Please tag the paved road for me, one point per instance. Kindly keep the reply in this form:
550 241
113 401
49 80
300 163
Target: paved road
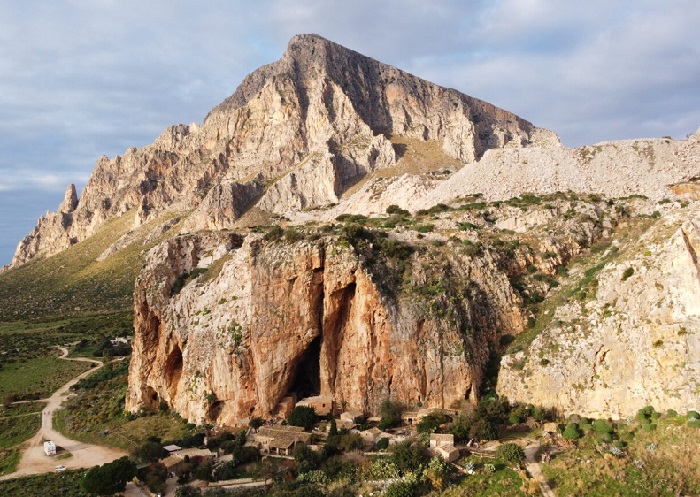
34 461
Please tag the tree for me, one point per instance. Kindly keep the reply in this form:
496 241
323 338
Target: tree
150 452
302 416
391 412
109 478
431 422
225 471
333 428
408 456
350 442
256 423
306 458
510 453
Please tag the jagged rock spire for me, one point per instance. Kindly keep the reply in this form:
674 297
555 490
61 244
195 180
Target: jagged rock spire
70 200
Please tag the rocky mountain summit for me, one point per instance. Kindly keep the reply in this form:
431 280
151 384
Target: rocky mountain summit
295 135
339 227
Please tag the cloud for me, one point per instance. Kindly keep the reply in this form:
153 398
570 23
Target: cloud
82 79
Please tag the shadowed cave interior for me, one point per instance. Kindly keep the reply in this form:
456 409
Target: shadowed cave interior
307 377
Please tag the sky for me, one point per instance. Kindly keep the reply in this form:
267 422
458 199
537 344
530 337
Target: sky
85 78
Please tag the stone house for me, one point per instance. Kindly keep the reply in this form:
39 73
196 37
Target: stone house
442 445
322 405
281 440
352 416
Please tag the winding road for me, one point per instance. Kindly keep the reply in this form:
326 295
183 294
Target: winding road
84 455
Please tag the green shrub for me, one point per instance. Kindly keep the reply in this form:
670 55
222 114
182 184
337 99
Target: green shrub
602 426
571 432
383 443
408 456
394 209
399 489
273 233
431 422
605 437
302 416
510 453
390 412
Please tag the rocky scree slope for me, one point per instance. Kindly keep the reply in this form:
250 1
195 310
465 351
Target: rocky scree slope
296 134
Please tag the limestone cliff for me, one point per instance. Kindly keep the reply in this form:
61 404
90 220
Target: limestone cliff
272 318
633 341
226 327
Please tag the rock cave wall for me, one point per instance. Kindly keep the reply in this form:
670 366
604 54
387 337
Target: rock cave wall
234 340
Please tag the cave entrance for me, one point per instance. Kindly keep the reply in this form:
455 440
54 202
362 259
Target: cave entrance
173 371
307 378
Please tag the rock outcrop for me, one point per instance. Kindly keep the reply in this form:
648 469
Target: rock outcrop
634 343
234 331
227 327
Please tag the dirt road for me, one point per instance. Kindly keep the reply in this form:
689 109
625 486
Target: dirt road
34 461
535 470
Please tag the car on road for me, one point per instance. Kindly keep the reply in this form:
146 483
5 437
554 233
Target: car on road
60 468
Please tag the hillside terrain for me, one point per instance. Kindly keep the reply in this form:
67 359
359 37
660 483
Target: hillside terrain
343 229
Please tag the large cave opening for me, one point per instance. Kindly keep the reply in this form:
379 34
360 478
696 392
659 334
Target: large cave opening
307 378
173 370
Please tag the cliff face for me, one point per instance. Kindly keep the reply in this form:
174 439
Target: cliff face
227 326
268 319
632 342
311 125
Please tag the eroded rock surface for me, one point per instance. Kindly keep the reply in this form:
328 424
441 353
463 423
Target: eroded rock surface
635 343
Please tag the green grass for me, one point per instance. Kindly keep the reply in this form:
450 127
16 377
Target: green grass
661 474
65 484
21 408
72 282
9 459
14 431
96 415
504 482
37 378
21 340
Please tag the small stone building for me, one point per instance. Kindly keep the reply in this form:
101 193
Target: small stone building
281 440
352 416
442 445
322 405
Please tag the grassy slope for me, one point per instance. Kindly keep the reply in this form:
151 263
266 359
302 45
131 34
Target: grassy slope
96 415
39 377
671 468
73 282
